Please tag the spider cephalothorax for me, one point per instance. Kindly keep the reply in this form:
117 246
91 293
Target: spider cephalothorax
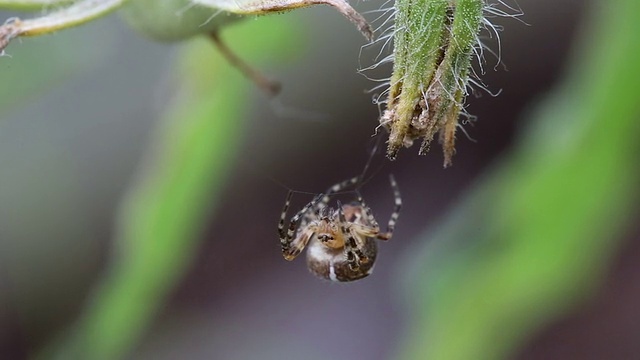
341 242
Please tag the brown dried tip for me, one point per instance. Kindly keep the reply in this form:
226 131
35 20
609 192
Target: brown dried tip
435 111
9 31
269 86
432 64
266 6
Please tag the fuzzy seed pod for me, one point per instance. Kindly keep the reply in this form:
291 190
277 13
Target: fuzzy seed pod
432 61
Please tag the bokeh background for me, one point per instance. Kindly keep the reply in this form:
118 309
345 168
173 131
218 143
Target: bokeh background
79 112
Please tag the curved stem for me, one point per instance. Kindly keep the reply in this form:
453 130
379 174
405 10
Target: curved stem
76 14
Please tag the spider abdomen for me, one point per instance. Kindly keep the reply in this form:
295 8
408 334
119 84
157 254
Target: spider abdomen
331 264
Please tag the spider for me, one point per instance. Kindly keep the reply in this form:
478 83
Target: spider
340 242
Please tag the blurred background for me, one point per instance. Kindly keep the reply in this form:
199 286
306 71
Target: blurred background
78 112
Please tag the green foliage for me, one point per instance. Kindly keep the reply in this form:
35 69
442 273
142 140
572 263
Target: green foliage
158 19
168 20
534 238
161 218
528 243
25 73
31 4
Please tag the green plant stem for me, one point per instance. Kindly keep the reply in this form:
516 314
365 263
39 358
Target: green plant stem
31 5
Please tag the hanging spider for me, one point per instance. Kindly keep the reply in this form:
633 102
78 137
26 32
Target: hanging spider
341 243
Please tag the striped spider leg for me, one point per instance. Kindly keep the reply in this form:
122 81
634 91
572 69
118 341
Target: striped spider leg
292 247
292 242
363 227
341 243
373 230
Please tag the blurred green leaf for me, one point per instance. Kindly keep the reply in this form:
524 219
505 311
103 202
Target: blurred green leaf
31 5
161 218
35 65
536 236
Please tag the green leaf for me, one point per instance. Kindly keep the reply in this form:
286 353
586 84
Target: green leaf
534 239
35 66
162 216
31 5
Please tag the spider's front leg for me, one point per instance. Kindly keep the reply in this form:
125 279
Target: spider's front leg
78 13
373 230
291 245
334 189
292 249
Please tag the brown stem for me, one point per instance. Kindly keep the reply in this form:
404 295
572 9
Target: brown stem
267 85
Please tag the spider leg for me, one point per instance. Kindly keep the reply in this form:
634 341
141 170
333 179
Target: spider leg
342 185
288 242
77 13
334 189
396 211
295 247
373 228
283 215
353 247
326 197
366 231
